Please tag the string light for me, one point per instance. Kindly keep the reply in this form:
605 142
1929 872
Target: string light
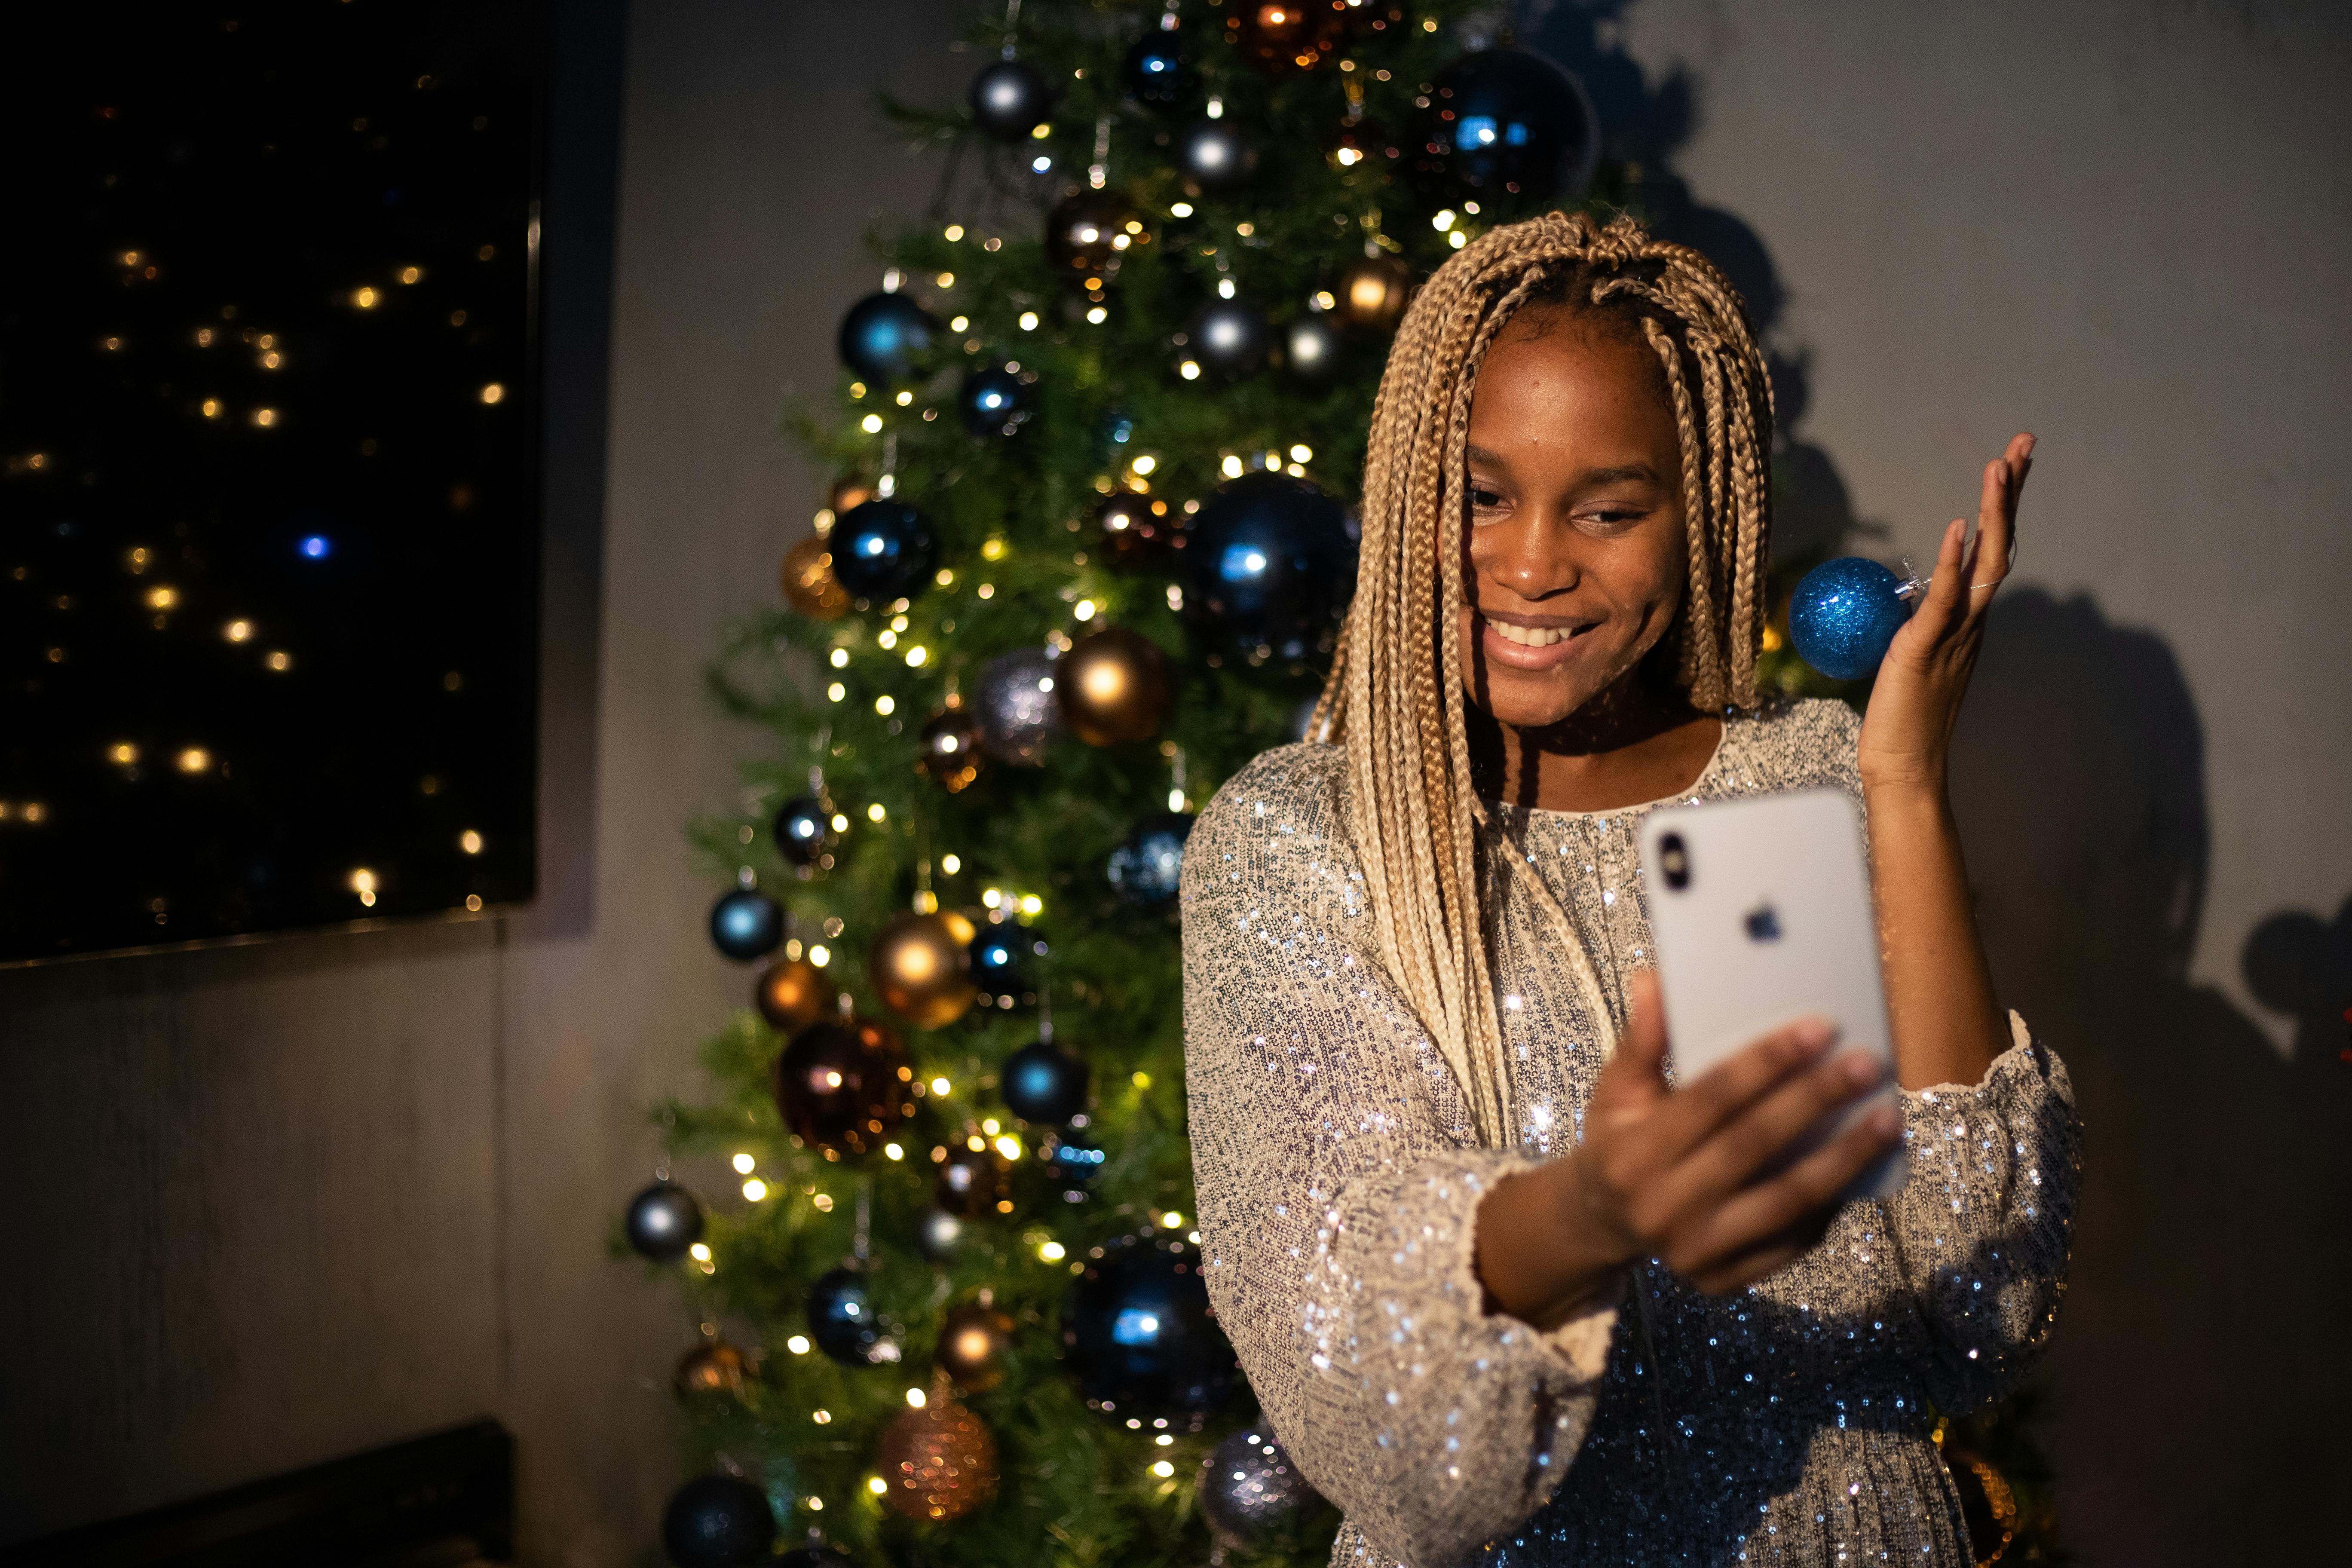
871 423
798 1344
212 406
940 1086
362 882
1172 1220
1181 209
122 751
876 1485
1053 1252
744 1164
237 631
893 1151
755 1189
820 956
954 232
494 392
914 1399
1163 1468
471 842
279 660
836 691
950 864
193 760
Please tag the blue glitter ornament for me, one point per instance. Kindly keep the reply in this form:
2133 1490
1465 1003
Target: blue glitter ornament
1001 955
883 335
1145 871
1844 612
745 925
996 400
1157 74
1074 1157
1273 561
1138 1331
883 550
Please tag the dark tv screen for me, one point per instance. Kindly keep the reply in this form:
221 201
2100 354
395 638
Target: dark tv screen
268 525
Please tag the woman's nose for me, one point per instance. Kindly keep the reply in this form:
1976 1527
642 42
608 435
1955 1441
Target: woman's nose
1528 556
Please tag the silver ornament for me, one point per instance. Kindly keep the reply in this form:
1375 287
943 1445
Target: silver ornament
1018 711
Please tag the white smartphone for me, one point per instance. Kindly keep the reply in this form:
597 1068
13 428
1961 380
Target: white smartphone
1761 914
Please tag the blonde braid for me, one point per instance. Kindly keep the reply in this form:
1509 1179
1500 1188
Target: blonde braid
1396 698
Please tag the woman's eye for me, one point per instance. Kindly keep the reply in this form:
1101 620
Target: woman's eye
1484 499
1612 518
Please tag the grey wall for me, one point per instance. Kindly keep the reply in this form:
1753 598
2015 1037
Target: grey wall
289 1201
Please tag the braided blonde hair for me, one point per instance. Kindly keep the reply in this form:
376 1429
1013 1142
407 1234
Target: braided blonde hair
1398 704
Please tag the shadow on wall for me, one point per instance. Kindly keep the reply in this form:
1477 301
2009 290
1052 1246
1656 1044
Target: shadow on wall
1643 123
2199 1369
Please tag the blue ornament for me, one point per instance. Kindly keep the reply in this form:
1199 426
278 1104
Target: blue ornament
718 1522
1136 1329
844 1323
1273 564
885 335
1043 1083
663 1221
1145 870
1001 955
997 400
1216 157
1843 613
1230 337
1507 126
745 925
802 830
1156 73
883 550
1010 99
1075 1157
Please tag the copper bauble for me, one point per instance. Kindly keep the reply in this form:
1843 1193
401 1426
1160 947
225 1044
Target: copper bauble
973 1339
1087 235
792 994
844 1088
1137 530
716 1367
848 493
1114 688
974 1182
807 580
922 968
939 1461
948 751
1372 292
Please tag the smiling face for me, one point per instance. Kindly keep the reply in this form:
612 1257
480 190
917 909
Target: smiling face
1576 554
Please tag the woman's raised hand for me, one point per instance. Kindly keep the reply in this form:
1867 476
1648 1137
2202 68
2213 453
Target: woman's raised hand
1678 1174
1906 736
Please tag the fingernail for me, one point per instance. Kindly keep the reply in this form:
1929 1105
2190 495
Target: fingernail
1862 1067
1813 1034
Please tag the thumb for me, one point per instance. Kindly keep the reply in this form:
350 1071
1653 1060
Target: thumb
1636 1075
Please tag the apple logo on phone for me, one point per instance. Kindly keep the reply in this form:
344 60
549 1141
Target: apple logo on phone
1763 923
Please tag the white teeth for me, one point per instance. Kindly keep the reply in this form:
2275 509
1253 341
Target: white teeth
1531 637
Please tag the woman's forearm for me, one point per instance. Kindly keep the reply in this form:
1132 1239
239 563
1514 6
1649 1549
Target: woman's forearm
1947 1028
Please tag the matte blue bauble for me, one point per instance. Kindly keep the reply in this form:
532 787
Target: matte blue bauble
995 401
1157 74
1230 337
1843 616
663 1221
885 335
1075 1157
1146 869
883 550
1044 1084
1506 126
844 1323
802 829
718 1522
1010 99
1136 1329
745 925
1001 958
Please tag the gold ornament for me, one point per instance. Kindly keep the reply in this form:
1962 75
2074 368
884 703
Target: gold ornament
808 585
717 1367
973 1339
1372 292
1114 687
938 1462
1280 36
922 968
848 493
792 994
948 751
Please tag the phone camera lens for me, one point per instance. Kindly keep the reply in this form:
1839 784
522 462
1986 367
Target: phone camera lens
1674 859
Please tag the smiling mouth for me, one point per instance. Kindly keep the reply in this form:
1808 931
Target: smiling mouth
1534 636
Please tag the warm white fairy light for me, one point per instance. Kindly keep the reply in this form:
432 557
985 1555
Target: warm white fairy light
941 1085
745 1164
798 1344
893 1151
471 842
820 956
876 1485
871 423
914 1399
1163 1468
836 691
1028 321
950 864
755 1189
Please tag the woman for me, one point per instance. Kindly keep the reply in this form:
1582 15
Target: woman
1505 1293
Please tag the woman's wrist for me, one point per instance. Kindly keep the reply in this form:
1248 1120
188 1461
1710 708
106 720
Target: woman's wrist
1541 1256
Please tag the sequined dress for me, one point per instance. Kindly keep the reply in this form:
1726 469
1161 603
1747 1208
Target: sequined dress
1338 1177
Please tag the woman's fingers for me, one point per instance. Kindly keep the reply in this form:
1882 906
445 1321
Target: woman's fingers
1989 557
1800 1199
1635 1077
1727 1161
1945 598
1727 1089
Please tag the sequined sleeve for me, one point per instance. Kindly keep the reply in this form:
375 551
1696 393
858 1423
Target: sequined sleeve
1337 1181
1983 1228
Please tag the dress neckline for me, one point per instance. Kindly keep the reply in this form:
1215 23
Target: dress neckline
1715 761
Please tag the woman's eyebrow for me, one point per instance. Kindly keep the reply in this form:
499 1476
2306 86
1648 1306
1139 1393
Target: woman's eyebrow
1477 454
1618 474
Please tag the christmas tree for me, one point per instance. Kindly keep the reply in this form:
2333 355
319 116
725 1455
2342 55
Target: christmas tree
1097 438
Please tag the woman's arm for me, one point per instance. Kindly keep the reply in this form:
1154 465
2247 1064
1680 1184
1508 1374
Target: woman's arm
1946 1026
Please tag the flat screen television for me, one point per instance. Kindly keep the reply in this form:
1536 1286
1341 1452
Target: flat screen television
269 518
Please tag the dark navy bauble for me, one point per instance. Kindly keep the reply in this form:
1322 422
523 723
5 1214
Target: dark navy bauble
1010 99
995 401
1146 869
1843 616
1508 127
1230 337
1215 156
1002 957
1076 1158
1251 1494
1137 1330
663 1221
817 1557
885 336
1157 73
844 1323
745 925
802 829
883 550
718 1522
1312 345
1273 564
1044 1083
